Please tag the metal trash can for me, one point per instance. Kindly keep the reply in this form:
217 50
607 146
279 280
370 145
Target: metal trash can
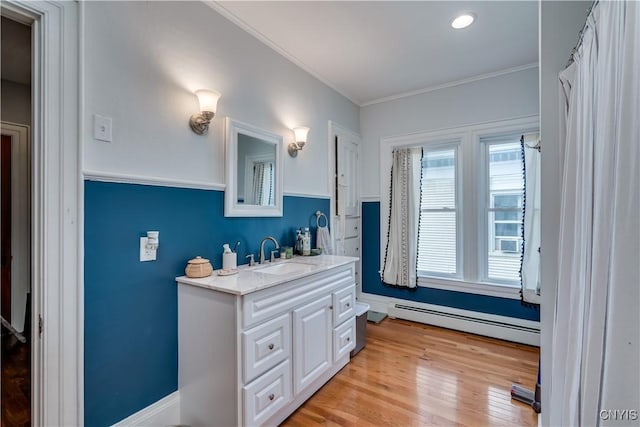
361 326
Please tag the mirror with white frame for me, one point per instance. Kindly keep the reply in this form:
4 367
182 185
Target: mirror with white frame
253 166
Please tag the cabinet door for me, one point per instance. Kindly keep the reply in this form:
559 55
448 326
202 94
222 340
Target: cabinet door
312 332
347 169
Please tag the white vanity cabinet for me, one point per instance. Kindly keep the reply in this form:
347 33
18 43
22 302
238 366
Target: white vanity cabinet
252 357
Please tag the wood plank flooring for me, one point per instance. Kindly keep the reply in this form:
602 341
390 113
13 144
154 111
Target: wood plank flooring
16 383
411 374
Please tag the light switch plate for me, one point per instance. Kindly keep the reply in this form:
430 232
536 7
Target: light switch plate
146 254
102 128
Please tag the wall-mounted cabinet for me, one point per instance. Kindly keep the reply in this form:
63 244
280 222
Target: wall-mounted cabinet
346 194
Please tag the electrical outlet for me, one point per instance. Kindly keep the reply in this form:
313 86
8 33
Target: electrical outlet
146 254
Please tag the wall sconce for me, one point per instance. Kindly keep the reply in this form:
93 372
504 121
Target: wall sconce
300 138
208 105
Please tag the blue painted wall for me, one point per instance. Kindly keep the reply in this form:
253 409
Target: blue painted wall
130 326
462 300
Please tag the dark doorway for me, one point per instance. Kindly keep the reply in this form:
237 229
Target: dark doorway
15 222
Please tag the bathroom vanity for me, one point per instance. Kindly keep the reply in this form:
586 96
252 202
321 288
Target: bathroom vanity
255 345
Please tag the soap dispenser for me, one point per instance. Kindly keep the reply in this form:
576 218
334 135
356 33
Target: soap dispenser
306 242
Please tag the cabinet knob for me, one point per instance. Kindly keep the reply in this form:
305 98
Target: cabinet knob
330 307
348 304
348 339
270 346
272 396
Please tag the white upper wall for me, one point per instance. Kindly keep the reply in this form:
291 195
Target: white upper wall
144 60
498 98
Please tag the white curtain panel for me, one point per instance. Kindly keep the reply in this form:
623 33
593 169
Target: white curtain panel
402 242
531 254
258 183
597 289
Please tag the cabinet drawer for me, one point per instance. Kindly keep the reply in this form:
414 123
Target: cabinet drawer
267 303
344 339
352 247
351 227
265 346
263 397
344 302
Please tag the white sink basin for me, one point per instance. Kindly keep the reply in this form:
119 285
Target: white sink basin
285 268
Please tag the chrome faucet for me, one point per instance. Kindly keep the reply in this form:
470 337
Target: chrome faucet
275 242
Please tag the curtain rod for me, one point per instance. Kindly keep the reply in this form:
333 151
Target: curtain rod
581 33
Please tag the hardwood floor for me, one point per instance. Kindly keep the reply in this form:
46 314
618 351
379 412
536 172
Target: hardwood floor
411 374
16 383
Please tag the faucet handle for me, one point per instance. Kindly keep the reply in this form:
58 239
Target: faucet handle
252 262
273 255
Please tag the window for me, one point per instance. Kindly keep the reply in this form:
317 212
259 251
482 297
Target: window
471 211
503 210
438 225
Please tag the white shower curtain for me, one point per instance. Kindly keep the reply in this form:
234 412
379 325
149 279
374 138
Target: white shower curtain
599 230
530 273
402 241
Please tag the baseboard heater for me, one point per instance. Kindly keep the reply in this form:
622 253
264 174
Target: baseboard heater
467 323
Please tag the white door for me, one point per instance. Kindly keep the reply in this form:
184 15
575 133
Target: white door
311 342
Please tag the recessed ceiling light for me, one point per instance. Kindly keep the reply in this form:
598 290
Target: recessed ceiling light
463 20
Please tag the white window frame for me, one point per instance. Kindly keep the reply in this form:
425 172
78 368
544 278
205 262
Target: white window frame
442 145
469 198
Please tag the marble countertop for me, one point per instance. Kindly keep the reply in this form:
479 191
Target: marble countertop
252 279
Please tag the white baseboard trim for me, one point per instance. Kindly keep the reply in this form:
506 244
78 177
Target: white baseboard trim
164 412
490 325
123 178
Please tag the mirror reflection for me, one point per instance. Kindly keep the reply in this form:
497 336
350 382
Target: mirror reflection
256 171
253 171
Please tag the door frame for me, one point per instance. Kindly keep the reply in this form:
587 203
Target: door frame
20 153
57 216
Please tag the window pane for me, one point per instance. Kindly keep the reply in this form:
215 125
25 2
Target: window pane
437 242
439 179
507 229
504 227
505 171
507 200
507 215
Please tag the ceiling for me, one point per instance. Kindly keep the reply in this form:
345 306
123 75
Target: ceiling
15 42
372 51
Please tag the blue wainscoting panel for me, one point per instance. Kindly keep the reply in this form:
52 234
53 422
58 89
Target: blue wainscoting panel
462 300
130 325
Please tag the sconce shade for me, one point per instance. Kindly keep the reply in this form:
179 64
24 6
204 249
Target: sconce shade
208 100
300 134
